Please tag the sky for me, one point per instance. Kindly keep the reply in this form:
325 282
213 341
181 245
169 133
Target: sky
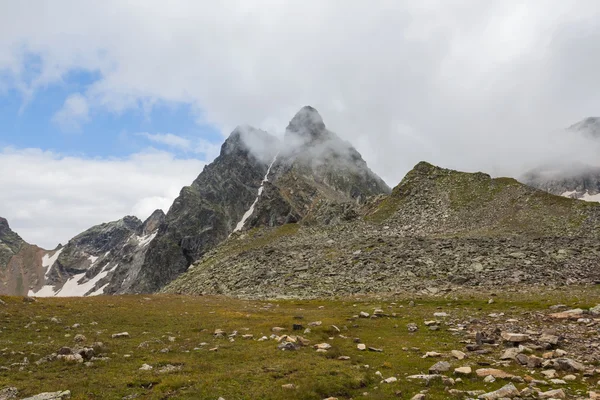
108 108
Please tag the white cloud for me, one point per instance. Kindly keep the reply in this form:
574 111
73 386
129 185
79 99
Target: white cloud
49 198
74 112
468 84
168 139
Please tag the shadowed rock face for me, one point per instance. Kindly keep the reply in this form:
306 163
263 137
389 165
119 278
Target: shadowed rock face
10 242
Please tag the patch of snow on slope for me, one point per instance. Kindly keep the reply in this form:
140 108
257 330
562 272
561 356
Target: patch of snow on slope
145 240
591 197
586 196
72 287
250 211
99 291
92 259
45 291
48 261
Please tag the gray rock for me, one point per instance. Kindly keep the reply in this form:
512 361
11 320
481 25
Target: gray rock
439 367
507 391
8 393
51 396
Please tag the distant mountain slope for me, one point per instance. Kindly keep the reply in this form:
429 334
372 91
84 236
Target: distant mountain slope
438 228
432 200
571 178
105 259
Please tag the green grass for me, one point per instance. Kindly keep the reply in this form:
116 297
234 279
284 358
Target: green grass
246 369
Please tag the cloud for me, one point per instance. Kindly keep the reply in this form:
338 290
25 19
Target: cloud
74 112
49 198
168 139
461 83
205 148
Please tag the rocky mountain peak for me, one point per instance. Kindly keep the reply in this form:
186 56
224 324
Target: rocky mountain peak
246 140
589 127
152 223
306 126
4 227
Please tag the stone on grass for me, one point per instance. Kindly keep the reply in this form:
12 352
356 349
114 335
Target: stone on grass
463 371
120 335
552 394
439 367
508 391
515 337
496 373
51 396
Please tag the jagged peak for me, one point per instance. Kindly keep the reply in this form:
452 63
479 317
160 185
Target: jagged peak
589 126
246 138
307 124
152 223
4 223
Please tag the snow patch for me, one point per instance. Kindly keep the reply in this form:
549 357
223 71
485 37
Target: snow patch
93 259
586 196
591 197
48 261
145 240
250 211
99 291
73 287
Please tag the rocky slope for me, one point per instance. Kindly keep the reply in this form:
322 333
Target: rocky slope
571 179
438 228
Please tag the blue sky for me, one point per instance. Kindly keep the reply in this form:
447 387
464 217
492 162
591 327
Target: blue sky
30 123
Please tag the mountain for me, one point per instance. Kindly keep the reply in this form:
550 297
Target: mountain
437 228
104 259
571 179
258 180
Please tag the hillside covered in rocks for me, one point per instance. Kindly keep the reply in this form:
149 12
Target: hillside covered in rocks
439 230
